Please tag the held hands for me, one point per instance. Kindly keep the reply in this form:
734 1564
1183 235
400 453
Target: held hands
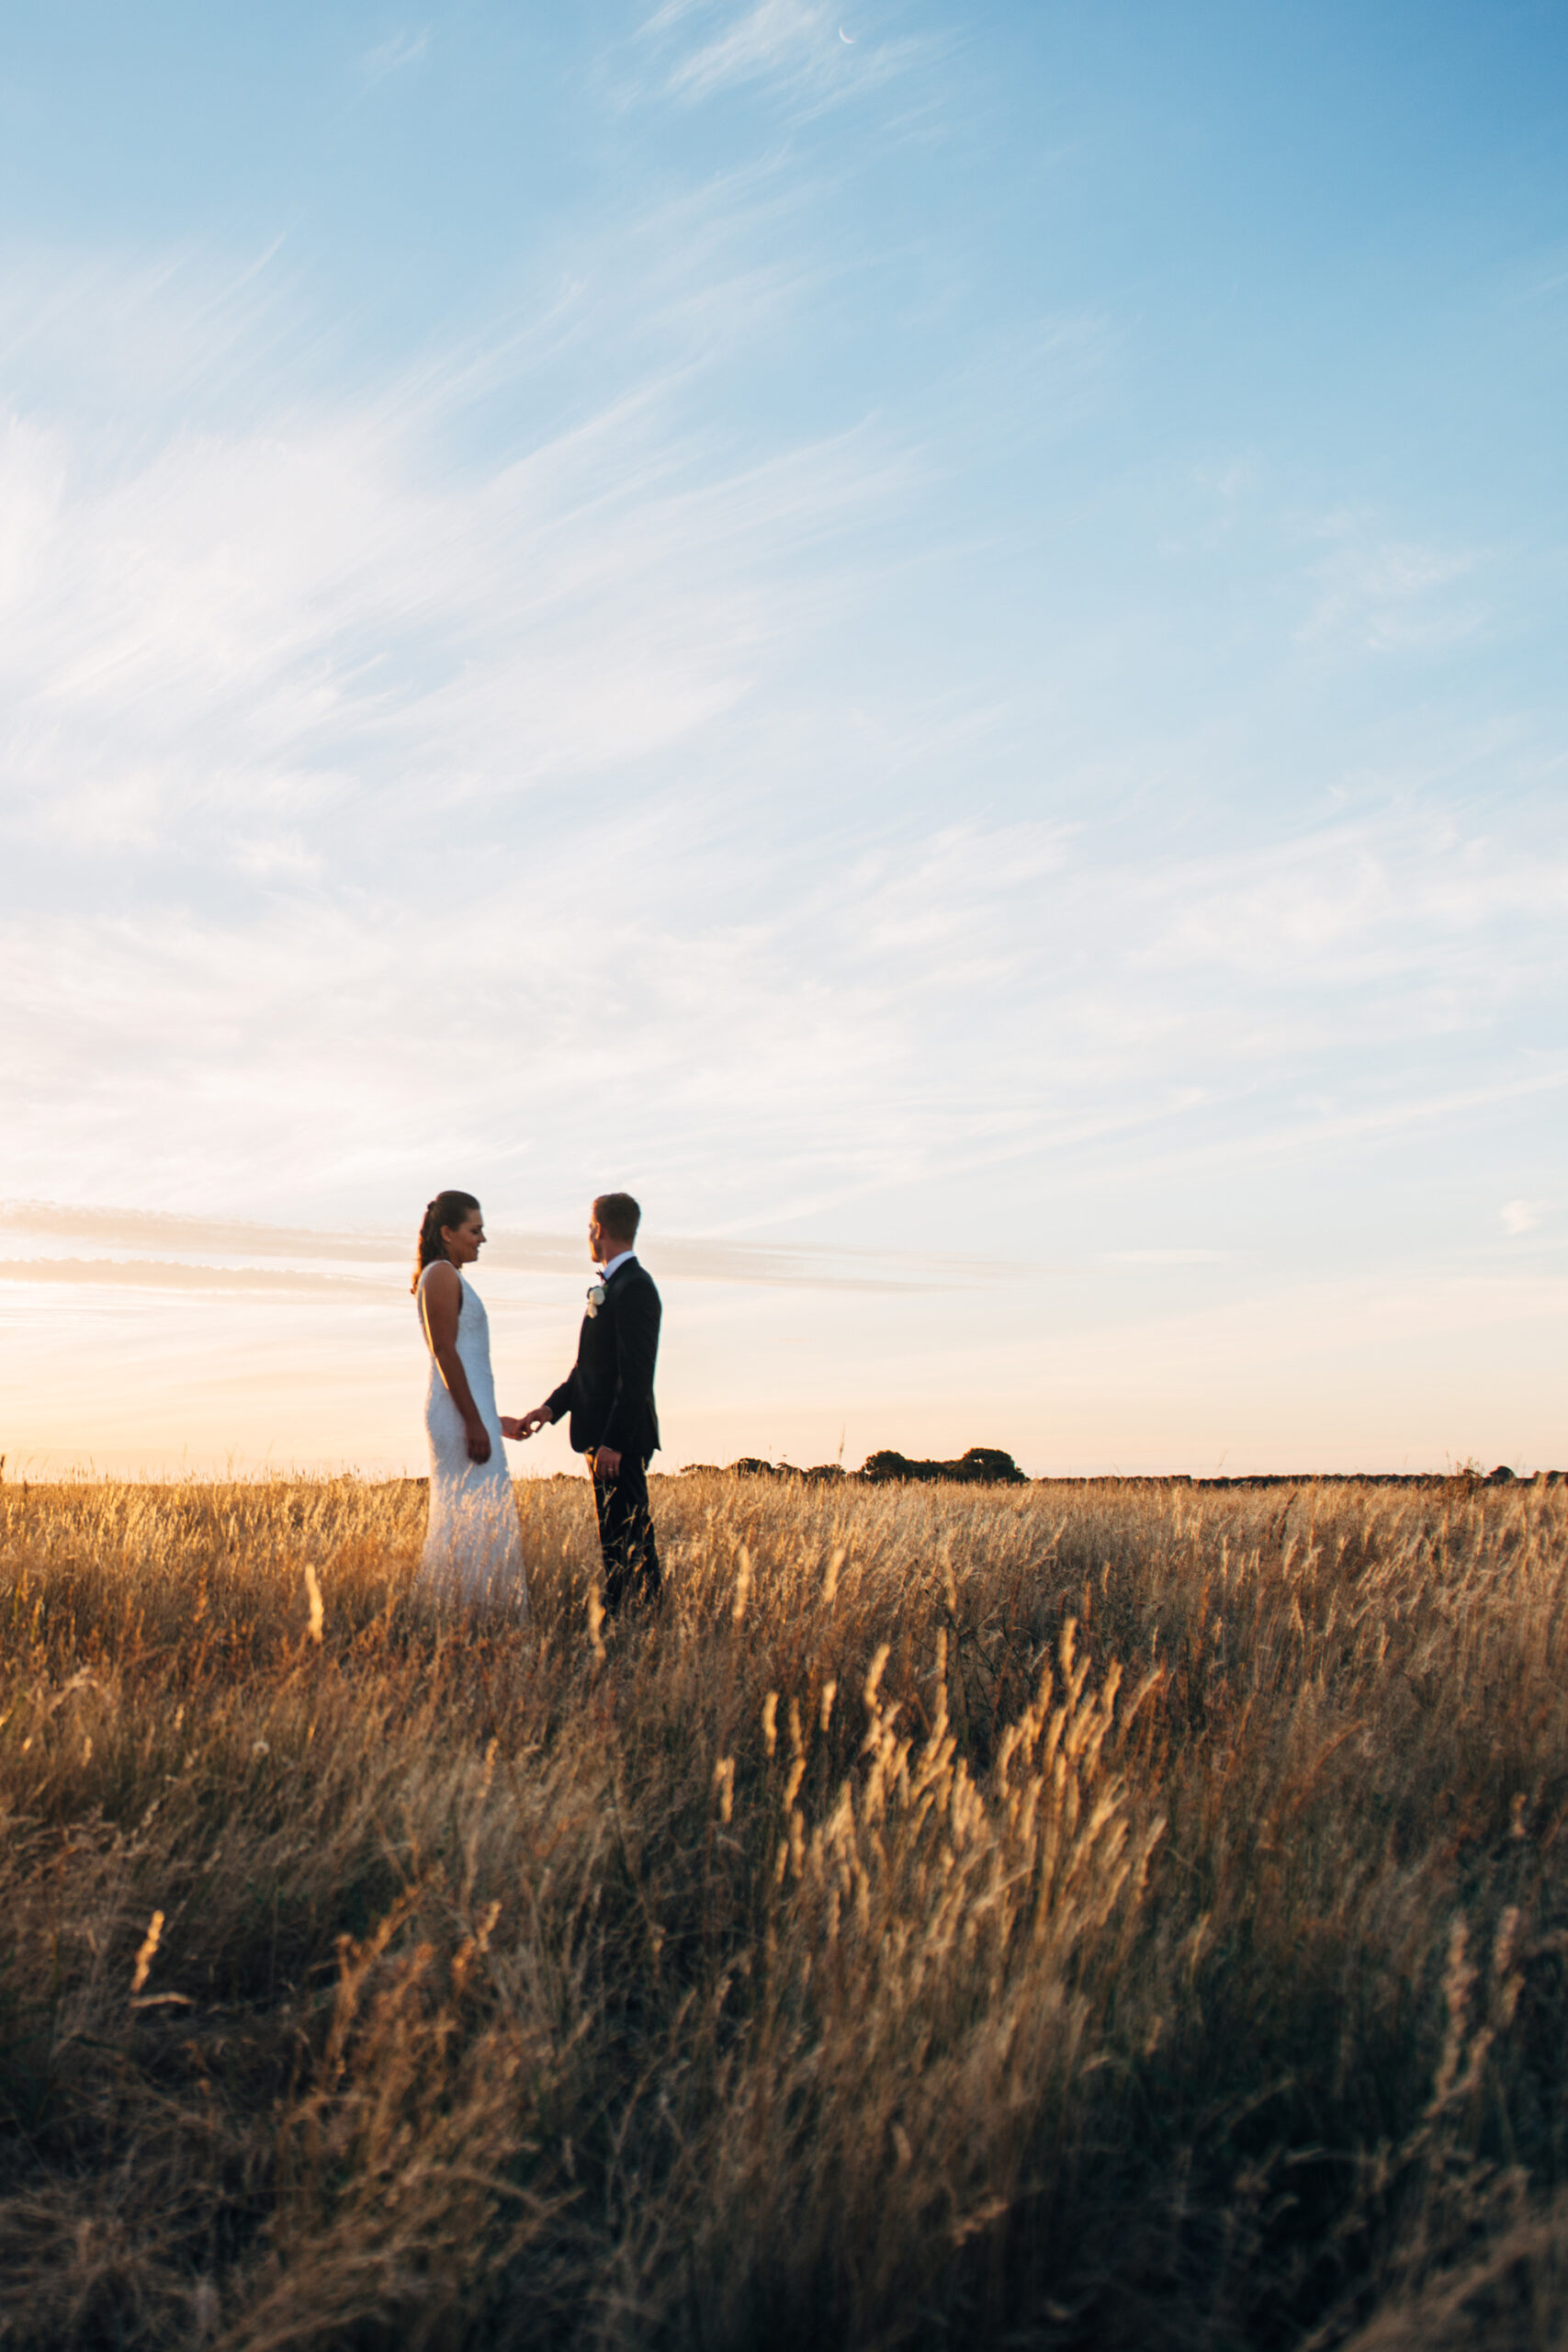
603 1463
524 1424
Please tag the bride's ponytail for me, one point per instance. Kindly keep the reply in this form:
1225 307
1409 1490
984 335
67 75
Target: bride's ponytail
446 1209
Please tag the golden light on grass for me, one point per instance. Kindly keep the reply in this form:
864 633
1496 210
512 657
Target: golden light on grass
147 1951
1110 1918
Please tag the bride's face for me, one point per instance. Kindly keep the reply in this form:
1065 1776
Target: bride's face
463 1243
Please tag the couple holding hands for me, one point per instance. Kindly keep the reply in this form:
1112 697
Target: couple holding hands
473 1548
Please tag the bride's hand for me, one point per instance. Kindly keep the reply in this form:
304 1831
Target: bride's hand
512 1427
479 1442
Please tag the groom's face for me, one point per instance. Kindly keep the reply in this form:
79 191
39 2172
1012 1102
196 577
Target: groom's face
602 1245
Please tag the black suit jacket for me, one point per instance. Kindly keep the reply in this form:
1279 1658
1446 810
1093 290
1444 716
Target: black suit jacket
609 1390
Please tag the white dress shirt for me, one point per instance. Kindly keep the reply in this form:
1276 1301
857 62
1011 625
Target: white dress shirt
622 1257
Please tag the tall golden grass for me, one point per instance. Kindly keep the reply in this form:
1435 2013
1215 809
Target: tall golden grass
1098 1917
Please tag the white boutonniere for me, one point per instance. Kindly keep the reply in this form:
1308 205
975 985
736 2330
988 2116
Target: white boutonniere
595 1297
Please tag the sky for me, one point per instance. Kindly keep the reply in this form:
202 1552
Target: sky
931 637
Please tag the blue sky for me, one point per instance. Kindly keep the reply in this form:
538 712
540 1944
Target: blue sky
934 637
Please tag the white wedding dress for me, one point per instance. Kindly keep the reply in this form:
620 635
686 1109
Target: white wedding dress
473 1548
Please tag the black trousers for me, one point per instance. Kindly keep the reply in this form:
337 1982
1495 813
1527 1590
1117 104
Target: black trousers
626 1536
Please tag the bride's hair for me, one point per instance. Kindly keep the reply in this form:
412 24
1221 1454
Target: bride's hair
445 1209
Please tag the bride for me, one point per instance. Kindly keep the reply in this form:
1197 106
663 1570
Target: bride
473 1549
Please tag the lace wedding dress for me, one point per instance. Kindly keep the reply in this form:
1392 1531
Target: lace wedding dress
473 1548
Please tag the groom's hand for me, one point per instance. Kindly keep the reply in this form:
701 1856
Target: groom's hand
539 1419
606 1462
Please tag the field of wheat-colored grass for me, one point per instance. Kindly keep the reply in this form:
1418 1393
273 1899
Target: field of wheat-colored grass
1114 1917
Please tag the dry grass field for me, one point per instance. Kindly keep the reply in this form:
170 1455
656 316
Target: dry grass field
1093 1917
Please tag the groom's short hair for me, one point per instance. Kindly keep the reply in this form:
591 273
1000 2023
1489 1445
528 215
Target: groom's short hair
618 1216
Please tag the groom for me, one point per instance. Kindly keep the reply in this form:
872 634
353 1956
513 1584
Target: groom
609 1394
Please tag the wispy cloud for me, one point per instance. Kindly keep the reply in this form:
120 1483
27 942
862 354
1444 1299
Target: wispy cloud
206 1242
379 730
881 1022
1389 595
1166 1257
151 1273
1343 904
1521 1216
391 55
239 631
813 56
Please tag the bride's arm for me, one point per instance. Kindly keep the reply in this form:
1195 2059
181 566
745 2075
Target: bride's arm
440 1302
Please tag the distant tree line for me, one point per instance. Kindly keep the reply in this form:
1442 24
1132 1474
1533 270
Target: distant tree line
989 1465
982 1465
